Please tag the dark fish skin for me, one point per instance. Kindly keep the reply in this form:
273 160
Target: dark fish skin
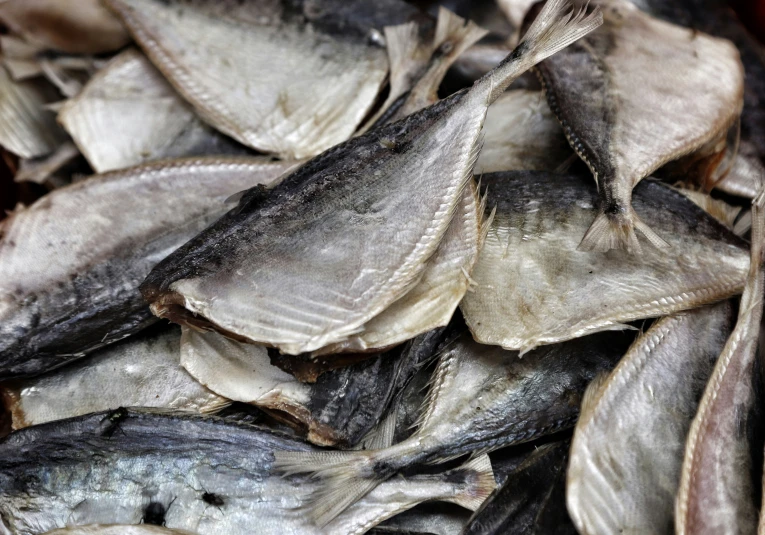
513 507
553 517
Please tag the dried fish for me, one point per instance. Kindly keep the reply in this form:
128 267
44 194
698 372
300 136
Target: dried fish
27 129
41 170
142 371
534 287
118 529
73 26
716 486
186 472
69 276
481 398
628 445
372 211
513 508
522 133
338 409
624 124
434 518
279 57
154 122
747 176
720 210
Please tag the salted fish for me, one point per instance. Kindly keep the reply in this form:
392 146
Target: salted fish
141 371
716 483
515 506
118 529
372 212
71 263
625 125
338 409
628 445
154 121
534 287
747 176
72 26
481 398
521 133
281 59
186 472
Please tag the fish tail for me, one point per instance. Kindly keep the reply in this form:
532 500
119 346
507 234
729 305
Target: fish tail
617 231
347 476
454 34
480 482
557 26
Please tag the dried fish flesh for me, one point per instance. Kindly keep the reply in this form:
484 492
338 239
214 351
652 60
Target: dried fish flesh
69 277
534 287
628 445
481 398
72 26
154 122
716 487
186 472
513 508
259 71
624 124
338 409
371 211
522 133
142 371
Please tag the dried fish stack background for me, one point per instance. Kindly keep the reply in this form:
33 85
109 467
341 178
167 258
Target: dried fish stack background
345 267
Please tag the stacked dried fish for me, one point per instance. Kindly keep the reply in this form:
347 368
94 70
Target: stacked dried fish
403 304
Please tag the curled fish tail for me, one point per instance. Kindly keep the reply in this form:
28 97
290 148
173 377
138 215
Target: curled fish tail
617 231
557 26
480 481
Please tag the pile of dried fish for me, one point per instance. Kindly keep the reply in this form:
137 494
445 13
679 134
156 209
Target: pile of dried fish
398 303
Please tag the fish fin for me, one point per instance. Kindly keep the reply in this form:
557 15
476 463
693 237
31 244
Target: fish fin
743 224
310 462
555 28
592 394
481 482
617 231
454 34
433 387
381 436
404 55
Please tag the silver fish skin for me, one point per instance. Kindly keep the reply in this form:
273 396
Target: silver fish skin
155 122
716 484
435 518
282 56
372 211
185 472
141 371
628 445
71 263
609 112
118 529
481 398
533 286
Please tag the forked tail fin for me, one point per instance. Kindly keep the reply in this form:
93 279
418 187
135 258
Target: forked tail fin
617 231
557 26
480 482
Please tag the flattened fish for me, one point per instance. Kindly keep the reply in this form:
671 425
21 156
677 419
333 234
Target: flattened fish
342 405
154 121
142 371
628 445
186 472
624 124
71 263
72 26
725 440
481 398
261 71
534 287
372 211
521 133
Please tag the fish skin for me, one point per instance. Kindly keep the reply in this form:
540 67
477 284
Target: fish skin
534 238
339 409
513 507
435 518
723 452
141 371
481 398
617 129
155 122
64 293
628 445
553 517
303 46
118 529
309 276
108 468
